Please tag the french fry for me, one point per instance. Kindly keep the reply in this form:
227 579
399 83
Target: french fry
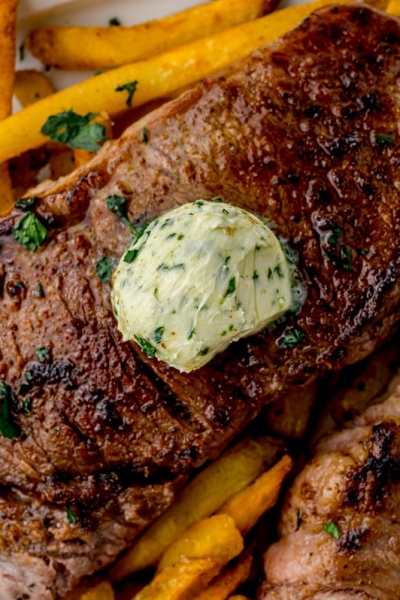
102 591
208 491
216 537
8 14
238 597
31 86
228 580
181 581
92 48
393 8
247 506
152 78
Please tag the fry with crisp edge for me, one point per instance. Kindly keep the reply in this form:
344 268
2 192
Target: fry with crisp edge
102 591
93 48
8 15
247 506
228 580
208 491
154 78
180 581
216 537
215 540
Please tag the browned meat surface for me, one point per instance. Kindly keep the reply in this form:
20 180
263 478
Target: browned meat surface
303 133
354 482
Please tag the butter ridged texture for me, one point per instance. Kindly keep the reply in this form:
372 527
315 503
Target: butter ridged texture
200 277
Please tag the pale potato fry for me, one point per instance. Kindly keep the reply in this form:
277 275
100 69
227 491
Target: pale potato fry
248 505
208 491
31 86
102 591
153 78
92 48
8 13
228 580
216 537
181 581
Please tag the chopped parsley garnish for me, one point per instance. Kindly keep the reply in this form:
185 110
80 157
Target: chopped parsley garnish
30 232
26 203
21 51
20 285
145 135
341 258
291 337
71 516
203 352
42 353
384 140
255 274
75 131
332 529
231 287
104 269
39 290
117 205
114 22
217 199
8 429
130 88
278 271
131 255
191 334
146 347
157 335
27 405
334 237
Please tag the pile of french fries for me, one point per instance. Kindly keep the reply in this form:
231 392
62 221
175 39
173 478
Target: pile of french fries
201 548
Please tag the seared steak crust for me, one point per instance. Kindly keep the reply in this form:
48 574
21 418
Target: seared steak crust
303 133
354 482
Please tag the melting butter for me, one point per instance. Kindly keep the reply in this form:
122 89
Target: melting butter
198 278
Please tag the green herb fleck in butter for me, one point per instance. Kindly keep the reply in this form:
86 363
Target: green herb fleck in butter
200 277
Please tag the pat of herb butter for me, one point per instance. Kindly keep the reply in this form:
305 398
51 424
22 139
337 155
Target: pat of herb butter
199 277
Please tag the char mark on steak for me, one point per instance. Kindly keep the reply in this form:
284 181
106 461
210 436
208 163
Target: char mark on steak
303 133
353 482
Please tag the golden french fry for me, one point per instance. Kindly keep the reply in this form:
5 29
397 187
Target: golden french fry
93 48
208 491
31 86
393 8
6 193
102 591
238 597
181 581
138 83
216 537
247 506
8 15
228 580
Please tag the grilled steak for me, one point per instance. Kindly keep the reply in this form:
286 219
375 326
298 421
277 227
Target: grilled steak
353 482
303 133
